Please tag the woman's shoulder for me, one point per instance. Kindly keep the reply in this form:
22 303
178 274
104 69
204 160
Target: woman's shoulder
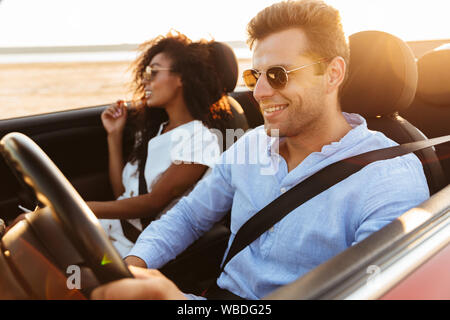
195 143
195 129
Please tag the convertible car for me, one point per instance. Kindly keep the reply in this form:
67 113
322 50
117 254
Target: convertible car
59 160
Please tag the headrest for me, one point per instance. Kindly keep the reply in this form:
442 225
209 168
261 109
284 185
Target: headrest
434 77
382 75
226 65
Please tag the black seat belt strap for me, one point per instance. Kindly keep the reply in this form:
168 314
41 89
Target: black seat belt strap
314 185
131 232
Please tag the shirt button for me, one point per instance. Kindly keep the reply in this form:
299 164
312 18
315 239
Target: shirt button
283 190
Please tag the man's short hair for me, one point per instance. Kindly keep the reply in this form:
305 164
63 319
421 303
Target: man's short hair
320 22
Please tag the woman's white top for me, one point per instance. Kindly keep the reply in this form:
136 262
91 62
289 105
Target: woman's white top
191 142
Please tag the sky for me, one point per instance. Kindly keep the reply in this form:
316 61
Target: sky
96 22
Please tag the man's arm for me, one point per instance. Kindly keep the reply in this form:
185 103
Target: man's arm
192 216
397 186
135 261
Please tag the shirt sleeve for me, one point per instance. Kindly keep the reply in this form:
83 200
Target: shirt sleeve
190 218
397 185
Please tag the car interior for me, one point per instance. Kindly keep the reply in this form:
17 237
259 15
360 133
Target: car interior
431 107
407 100
382 82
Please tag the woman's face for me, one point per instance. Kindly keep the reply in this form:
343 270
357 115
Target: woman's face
161 85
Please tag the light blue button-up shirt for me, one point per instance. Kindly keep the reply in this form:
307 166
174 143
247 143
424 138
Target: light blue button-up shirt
251 174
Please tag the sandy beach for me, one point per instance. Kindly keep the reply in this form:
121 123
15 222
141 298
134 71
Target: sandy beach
34 88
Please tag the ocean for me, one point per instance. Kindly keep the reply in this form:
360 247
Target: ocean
109 53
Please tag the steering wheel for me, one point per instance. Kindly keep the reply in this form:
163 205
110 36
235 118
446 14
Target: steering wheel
77 220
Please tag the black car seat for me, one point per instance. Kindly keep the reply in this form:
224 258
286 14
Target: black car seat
248 103
227 68
250 106
382 82
430 110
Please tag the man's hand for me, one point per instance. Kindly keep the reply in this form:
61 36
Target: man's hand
135 261
148 284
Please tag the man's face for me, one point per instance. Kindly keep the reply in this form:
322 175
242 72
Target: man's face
300 105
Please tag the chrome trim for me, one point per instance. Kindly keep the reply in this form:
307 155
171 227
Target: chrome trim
404 263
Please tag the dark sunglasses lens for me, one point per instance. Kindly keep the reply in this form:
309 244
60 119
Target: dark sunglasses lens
149 73
250 78
277 77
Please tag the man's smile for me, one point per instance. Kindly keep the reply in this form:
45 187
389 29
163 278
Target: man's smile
273 110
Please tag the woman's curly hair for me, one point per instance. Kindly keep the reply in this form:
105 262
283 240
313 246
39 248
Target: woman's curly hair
203 90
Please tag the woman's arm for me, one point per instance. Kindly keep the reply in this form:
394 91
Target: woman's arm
116 163
114 120
173 183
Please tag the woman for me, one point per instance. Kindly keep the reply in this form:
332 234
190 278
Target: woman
182 97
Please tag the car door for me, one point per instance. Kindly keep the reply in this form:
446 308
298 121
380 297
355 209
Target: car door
75 141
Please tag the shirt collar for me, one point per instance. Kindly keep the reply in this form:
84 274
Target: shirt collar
358 131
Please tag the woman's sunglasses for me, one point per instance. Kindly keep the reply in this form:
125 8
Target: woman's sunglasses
277 76
150 72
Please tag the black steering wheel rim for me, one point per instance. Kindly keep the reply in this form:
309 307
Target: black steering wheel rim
51 187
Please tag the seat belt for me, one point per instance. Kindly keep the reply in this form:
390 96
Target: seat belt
130 231
313 186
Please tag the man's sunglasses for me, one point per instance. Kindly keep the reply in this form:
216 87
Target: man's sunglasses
150 72
277 76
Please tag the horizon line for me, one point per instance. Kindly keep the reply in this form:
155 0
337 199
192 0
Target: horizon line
235 44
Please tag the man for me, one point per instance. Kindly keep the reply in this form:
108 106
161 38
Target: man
301 103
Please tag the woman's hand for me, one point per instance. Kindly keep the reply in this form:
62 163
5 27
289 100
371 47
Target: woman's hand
147 284
114 118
